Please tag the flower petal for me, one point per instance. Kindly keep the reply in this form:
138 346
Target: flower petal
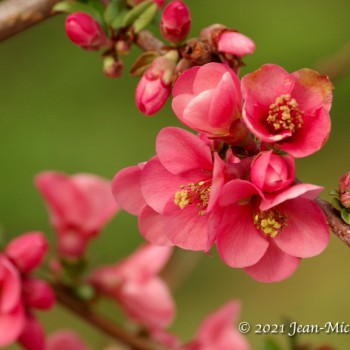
274 266
236 44
239 243
11 325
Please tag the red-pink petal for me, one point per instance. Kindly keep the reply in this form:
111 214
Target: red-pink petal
239 243
179 151
306 233
274 266
149 303
184 84
312 90
236 44
151 226
65 340
126 188
11 325
266 84
33 335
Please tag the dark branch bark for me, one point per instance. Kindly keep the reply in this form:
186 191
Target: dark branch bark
100 322
18 15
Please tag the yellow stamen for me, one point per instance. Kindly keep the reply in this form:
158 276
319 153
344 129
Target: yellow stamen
270 222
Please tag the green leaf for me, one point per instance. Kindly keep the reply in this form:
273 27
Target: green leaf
114 8
334 193
136 12
71 7
336 204
119 20
270 344
145 18
345 215
143 62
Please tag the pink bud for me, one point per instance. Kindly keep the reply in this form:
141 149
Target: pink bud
344 190
38 294
27 251
33 336
65 340
84 31
154 87
345 199
176 21
272 172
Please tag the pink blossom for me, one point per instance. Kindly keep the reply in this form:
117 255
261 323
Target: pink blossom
38 294
27 251
65 340
33 335
289 111
154 87
268 235
79 205
271 172
12 316
344 190
228 41
217 331
175 24
208 99
176 190
134 283
85 32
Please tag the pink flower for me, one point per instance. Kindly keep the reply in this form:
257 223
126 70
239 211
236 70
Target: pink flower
154 87
175 192
267 235
12 315
208 99
38 294
290 111
65 340
27 251
344 190
271 172
175 24
134 283
228 41
33 335
217 331
85 32
79 206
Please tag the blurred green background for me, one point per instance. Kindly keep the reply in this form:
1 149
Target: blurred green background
59 112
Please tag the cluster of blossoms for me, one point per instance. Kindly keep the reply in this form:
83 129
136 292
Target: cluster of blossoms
20 292
233 184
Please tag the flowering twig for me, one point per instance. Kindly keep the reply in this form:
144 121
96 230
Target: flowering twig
66 299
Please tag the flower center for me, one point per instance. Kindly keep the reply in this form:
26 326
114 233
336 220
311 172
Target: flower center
284 114
270 222
198 193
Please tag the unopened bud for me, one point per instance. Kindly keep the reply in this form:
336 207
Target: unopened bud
27 251
175 24
112 67
122 47
85 32
33 336
38 294
344 190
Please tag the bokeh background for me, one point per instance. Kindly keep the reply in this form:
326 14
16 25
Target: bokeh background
59 112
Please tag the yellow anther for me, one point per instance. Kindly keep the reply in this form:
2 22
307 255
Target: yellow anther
270 222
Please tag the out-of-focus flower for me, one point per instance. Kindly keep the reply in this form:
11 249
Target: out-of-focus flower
27 251
208 99
290 111
37 294
79 207
154 87
65 340
12 317
271 172
267 235
226 40
344 190
175 24
217 331
85 32
134 284
33 335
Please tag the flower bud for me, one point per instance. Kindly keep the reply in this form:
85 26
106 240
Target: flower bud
33 336
272 172
65 340
112 67
38 294
344 190
27 251
154 87
84 31
176 21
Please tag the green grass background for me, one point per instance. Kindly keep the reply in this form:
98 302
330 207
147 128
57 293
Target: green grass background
58 112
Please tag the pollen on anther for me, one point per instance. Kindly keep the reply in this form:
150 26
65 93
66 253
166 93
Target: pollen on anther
270 222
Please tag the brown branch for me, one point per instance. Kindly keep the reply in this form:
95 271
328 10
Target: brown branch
65 298
18 15
335 223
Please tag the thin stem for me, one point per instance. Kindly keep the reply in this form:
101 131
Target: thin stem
102 323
